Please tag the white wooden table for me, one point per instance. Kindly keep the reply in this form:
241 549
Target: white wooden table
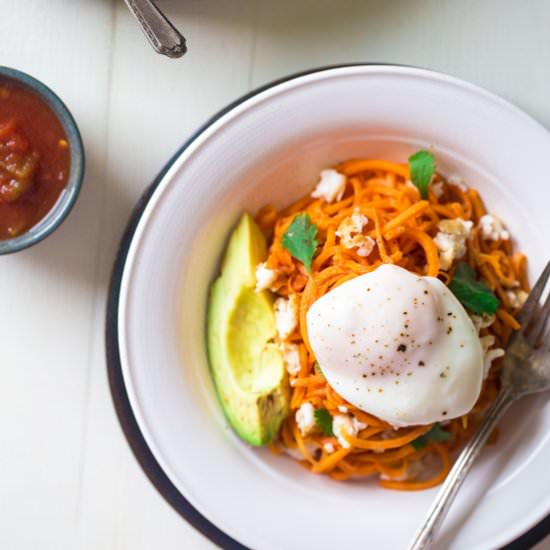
67 477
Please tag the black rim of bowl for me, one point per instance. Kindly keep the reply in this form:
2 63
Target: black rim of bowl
61 209
121 402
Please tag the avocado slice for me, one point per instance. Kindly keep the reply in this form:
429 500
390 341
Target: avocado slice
248 369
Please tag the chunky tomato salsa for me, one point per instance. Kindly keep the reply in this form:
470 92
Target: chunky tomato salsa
34 159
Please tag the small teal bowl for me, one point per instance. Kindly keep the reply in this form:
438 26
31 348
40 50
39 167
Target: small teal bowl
53 219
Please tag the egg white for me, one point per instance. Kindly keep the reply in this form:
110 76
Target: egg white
398 346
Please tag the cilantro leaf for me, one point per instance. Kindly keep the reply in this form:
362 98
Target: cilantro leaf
299 239
473 294
422 168
435 433
324 421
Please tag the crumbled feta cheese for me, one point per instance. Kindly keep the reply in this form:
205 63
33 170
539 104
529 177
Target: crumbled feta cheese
286 315
265 277
487 342
437 188
305 418
489 355
328 447
455 179
482 321
296 454
331 186
291 358
451 240
492 228
351 235
344 423
342 409
517 298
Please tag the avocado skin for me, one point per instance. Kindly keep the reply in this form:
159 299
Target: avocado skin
248 370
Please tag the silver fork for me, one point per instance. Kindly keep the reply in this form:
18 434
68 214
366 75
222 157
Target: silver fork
526 369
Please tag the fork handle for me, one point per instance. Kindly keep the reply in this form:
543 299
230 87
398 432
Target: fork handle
424 537
162 35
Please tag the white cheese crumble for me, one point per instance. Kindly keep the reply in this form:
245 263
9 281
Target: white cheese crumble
331 186
451 240
305 418
437 188
291 358
455 179
486 342
344 423
286 315
351 235
265 277
517 298
342 409
492 228
489 355
296 454
328 447
482 321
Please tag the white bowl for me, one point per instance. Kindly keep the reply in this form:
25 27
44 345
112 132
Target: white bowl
269 148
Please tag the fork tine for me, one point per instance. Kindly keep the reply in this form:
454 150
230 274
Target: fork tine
532 304
539 324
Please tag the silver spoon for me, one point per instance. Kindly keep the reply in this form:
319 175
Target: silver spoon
162 35
526 369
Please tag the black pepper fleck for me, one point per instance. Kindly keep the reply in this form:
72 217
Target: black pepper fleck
421 363
401 347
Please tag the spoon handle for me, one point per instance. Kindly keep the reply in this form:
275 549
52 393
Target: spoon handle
162 35
424 537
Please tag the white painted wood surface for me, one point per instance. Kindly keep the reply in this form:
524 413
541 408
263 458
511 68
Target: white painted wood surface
67 477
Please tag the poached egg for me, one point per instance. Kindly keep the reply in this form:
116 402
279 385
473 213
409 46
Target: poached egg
399 346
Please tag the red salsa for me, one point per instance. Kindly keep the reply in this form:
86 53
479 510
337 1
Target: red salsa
34 159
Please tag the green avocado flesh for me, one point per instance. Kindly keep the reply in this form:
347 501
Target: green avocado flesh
247 368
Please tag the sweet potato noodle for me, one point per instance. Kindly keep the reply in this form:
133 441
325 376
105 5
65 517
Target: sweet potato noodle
403 226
